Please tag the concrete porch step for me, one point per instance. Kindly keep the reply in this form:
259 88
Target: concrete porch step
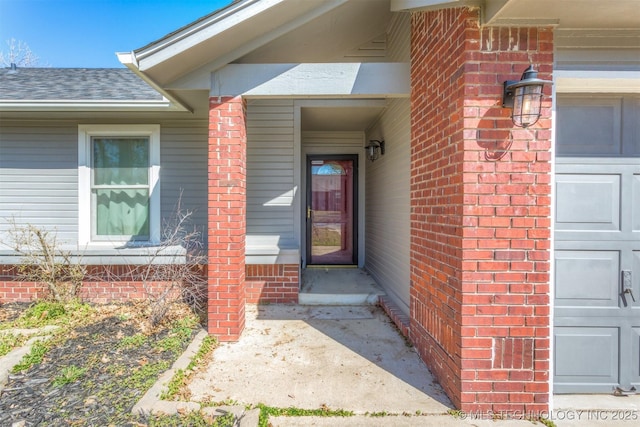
338 286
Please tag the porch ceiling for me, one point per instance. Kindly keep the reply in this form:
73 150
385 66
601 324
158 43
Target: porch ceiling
339 119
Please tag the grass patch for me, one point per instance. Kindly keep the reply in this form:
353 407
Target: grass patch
180 334
456 413
269 411
133 341
35 356
192 419
144 376
68 375
46 313
176 386
547 422
10 341
42 314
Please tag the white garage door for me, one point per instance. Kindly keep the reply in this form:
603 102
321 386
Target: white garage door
597 244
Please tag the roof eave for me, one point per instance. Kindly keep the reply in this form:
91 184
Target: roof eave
128 59
188 36
88 105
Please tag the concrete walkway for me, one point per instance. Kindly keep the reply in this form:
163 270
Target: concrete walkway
353 358
339 357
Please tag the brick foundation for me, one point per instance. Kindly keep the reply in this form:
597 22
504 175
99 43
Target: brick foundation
480 228
273 283
105 284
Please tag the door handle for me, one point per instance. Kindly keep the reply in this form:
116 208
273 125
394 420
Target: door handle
627 284
308 212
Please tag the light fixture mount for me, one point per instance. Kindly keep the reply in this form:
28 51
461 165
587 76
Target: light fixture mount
524 96
375 149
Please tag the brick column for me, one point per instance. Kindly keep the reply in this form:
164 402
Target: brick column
480 227
226 217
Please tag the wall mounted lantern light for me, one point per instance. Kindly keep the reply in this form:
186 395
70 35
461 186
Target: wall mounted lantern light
525 97
375 149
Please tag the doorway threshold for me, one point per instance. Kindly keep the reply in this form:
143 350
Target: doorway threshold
338 285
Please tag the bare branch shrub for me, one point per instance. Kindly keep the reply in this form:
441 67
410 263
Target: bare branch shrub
44 261
171 275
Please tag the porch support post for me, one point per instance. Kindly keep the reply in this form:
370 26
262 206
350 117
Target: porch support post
480 214
226 217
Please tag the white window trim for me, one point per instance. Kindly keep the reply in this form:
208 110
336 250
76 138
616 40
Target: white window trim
85 132
579 81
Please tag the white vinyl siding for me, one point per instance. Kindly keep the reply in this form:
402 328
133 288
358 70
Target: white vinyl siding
39 174
387 203
387 200
318 142
183 171
271 189
399 38
39 178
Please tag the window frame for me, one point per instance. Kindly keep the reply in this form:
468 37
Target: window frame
86 218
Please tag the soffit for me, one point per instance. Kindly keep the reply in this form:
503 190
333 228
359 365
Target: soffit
567 14
577 14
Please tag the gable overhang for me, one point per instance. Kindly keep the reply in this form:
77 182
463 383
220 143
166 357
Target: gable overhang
225 36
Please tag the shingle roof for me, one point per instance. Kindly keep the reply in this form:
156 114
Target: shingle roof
81 84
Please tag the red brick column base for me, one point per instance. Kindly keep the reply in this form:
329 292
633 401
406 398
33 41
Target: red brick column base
480 228
227 217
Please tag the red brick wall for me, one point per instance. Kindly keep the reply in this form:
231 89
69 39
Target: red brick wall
480 228
226 217
272 283
104 284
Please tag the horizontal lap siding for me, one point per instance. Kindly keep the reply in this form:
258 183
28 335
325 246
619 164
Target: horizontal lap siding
387 183
270 169
39 174
183 171
387 205
39 178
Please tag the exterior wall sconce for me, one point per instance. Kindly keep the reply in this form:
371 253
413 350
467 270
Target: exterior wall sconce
375 149
525 97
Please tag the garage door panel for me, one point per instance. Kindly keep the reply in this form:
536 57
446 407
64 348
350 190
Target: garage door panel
588 202
635 203
587 355
587 278
590 126
597 243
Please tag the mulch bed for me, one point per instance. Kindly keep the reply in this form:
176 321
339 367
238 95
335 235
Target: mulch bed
115 374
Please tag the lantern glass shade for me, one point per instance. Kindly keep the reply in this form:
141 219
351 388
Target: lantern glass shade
374 149
524 96
526 105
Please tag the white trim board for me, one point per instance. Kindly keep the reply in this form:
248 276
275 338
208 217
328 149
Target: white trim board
570 81
338 80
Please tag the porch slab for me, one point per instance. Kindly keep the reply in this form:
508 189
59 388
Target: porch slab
340 357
